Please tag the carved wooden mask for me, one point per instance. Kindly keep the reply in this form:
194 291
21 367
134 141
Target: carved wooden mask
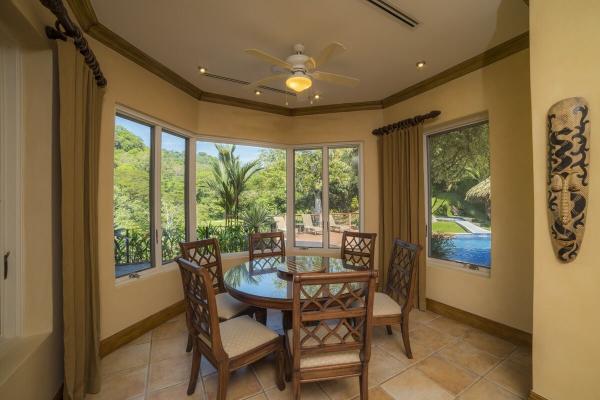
568 179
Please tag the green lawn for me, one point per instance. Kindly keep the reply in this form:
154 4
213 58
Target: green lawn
446 227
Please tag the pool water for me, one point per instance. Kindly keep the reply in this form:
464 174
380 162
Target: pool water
472 248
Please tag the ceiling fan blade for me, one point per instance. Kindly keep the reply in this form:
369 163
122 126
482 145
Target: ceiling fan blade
269 58
266 80
335 78
331 50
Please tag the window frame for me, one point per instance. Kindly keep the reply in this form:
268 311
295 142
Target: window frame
158 126
473 120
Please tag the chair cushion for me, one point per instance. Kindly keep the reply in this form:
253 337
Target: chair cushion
385 305
228 307
324 359
242 334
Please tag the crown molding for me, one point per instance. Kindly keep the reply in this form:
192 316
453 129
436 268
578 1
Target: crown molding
86 16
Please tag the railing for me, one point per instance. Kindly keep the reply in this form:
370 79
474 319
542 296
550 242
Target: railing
131 247
349 219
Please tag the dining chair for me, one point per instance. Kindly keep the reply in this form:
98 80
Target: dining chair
393 305
228 345
207 254
331 327
266 244
358 249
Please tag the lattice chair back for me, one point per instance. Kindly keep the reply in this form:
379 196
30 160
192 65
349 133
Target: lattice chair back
266 265
332 315
266 244
207 254
402 273
201 306
358 249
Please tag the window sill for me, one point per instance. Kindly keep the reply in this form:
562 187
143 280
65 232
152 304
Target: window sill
126 280
442 264
15 351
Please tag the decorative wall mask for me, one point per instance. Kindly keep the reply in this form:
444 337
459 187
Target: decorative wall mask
568 179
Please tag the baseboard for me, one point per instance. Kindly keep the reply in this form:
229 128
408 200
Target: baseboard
136 330
535 396
487 325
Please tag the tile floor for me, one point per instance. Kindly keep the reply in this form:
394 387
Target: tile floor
451 361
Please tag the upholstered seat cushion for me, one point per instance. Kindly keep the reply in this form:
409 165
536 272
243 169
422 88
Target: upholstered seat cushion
242 334
385 305
228 307
324 359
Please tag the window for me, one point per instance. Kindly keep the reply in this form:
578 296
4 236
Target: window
333 192
173 215
132 196
239 189
459 196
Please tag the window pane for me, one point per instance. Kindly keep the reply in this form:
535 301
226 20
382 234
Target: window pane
240 189
308 186
131 202
172 194
344 193
460 195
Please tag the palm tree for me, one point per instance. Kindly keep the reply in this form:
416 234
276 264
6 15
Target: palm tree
230 178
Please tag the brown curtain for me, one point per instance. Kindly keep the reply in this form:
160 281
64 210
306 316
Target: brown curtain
80 109
402 203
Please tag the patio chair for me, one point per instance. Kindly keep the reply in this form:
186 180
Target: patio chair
358 250
331 327
335 227
207 254
309 226
266 244
227 345
392 307
280 223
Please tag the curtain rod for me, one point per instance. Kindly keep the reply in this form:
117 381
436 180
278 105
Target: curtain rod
405 123
63 28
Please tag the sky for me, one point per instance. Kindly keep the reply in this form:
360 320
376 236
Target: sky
176 143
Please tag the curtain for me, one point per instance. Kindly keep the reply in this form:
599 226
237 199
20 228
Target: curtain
80 109
402 203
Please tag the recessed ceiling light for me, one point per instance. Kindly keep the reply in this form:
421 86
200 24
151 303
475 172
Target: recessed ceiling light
202 70
257 92
421 64
317 96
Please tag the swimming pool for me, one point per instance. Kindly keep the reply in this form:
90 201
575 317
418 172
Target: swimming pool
474 248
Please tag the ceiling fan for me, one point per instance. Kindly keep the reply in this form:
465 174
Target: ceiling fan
302 69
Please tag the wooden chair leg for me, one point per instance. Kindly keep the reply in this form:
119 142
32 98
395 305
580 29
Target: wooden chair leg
223 372
296 385
388 329
190 344
364 383
405 338
279 368
261 315
196 358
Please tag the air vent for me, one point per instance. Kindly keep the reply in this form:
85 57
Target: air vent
392 9
240 82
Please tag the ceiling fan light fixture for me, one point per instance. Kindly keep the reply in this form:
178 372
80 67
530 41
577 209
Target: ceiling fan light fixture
298 82
202 70
421 64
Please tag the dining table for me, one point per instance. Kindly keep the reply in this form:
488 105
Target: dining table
268 282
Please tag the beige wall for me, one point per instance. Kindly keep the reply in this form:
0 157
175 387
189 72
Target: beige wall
501 90
565 63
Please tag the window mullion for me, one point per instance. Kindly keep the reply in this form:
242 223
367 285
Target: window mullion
325 198
156 222
191 189
290 197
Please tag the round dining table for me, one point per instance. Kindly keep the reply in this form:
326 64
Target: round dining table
264 282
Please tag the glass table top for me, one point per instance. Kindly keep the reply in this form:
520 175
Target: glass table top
262 277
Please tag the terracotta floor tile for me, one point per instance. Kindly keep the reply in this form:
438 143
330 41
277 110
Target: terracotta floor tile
127 357
486 390
426 340
242 384
378 393
341 389
145 338
177 392
413 384
167 348
169 372
449 327
470 357
260 396
382 366
308 391
488 343
170 329
522 355
421 317
512 376
452 378
122 385
265 372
